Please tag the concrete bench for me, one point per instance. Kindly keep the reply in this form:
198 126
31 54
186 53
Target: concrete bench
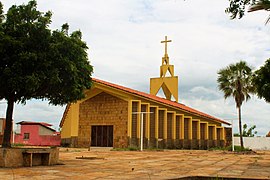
36 157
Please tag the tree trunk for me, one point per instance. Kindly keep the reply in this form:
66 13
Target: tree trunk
240 128
8 127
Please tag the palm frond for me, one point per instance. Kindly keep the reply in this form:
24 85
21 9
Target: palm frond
235 81
260 5
267 20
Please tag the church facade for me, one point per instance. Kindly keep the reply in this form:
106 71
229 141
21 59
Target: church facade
116 116
109 117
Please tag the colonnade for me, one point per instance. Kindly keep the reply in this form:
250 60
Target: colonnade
168 128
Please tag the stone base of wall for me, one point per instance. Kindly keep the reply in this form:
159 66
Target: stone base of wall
177 143
155 143
152 143
212 143
170 144
14 157
161 144
195 144
221 143
69 142
145 143
203 144
186 144
134 142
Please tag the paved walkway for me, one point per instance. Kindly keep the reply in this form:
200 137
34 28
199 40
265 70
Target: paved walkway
169 164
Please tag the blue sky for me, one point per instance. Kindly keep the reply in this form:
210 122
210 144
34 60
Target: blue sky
124 48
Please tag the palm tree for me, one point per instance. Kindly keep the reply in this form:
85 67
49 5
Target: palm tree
235 81
261 5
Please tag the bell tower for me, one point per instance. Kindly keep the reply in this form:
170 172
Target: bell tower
167 81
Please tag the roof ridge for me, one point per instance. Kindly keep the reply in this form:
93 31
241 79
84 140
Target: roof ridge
161 100
34 122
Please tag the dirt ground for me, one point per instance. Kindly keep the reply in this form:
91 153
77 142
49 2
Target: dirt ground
101 163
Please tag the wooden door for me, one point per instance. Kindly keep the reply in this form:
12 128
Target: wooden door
102 136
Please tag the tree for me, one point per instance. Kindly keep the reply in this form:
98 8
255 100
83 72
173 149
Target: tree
237 8
235 81
248 132
261 81
36 62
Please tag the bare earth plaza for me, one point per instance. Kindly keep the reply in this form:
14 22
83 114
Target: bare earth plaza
168 164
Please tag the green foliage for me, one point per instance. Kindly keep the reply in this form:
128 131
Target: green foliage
261 81
235 81
154 149
229 148
1 13
126 149
18 145
39 63
237 8
220 148
247 132
36 62
131 148
239 149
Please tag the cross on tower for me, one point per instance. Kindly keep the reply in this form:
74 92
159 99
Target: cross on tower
167 81
166 41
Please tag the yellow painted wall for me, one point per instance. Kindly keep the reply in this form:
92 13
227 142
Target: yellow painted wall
66 127
71 124
75 119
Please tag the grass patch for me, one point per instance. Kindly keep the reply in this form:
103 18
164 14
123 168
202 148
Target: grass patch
154 149
17 145
126 149
239 149
229 148
136 149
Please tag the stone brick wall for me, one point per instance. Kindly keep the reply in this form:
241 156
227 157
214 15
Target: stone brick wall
13 157
69 142
103 109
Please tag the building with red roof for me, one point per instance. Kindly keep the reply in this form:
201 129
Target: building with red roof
37 134
107 117
116 116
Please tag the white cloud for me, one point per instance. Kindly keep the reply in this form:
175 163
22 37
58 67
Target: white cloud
124 47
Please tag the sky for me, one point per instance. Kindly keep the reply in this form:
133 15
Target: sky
124 37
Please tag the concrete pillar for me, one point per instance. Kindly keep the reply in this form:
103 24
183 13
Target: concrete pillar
129 119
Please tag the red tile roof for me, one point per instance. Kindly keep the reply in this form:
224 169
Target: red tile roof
64 115
160 100
34 123
153 98
46 125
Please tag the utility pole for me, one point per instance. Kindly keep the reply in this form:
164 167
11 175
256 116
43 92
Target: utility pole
232 137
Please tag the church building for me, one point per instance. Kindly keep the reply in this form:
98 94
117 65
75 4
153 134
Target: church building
112 115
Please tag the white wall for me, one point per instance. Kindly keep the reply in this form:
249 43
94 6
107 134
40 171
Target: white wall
254 143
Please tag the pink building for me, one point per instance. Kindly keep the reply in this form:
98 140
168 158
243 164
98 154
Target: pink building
37 134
